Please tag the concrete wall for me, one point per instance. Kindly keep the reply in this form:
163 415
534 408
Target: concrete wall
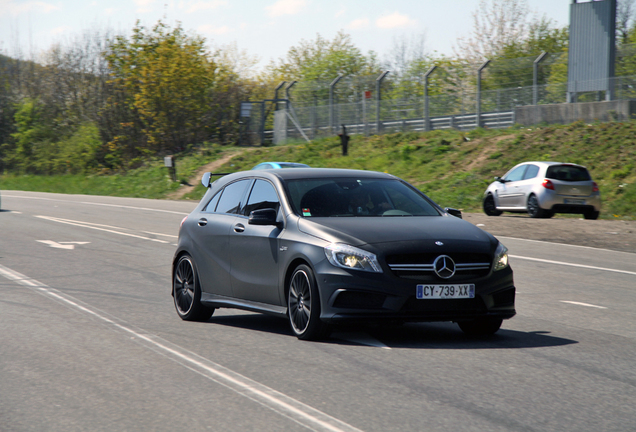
571 112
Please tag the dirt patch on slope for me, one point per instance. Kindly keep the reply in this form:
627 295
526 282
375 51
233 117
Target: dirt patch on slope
194 180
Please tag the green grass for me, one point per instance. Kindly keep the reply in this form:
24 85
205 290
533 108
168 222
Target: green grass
452 167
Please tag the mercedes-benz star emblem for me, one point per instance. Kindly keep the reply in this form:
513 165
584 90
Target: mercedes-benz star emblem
444 266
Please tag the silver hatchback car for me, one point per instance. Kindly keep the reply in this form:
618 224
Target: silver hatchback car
542 189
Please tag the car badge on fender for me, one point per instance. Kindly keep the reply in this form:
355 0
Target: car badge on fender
444 266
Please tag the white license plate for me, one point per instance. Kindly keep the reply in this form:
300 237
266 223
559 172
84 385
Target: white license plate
445 291
574 201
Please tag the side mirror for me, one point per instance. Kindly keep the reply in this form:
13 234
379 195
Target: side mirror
205 180
453 212
500 180
263 217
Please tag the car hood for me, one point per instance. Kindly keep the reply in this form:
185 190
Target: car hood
389 232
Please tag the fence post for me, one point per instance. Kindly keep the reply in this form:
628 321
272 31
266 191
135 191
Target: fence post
331 101
378 81
535 77
481 68
427 114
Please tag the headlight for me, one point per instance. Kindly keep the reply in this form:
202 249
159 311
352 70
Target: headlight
349 257
501 257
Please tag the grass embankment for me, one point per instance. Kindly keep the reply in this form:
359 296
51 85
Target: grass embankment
452 167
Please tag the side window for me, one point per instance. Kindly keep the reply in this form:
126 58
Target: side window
516 174
531 172
263 196
213 202
230 201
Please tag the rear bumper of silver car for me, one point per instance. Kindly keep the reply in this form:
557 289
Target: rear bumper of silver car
569 204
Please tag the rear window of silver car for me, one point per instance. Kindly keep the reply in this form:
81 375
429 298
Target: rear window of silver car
568 173
342 197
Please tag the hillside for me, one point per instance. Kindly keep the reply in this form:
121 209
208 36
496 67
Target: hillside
452 167
455 168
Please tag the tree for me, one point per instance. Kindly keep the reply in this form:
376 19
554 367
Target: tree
315 64
625 12
165 80
497 24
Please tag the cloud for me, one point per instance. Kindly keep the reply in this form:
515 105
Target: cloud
209 29
358 24
14 8
205 5
286 7
340 13
395 20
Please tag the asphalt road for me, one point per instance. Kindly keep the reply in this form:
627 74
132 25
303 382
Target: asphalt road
90 341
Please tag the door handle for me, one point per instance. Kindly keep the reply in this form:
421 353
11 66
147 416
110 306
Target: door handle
239 228
203 222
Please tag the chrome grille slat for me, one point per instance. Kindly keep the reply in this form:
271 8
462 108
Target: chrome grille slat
429 267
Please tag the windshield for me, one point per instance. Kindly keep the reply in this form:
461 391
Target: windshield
348 197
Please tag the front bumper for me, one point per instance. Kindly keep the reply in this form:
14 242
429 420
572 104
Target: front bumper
359 296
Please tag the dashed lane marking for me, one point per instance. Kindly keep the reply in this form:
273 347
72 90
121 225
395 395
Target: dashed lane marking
99 227
583 304
573 265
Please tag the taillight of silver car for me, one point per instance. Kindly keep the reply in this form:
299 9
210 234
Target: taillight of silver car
547 184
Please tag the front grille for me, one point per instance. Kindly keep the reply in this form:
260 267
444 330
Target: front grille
420 266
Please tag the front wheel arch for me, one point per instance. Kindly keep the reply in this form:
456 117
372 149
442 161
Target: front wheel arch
489 205
304 303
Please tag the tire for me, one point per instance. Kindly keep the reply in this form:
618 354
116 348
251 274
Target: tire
303 305
534 211
591 215
480 326
489 206
186 292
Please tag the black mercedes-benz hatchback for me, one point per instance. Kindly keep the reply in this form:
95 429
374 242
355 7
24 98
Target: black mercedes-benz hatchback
322 246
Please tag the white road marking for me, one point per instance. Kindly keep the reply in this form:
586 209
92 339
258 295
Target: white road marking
284 405
98 227
564 244
159 234
583 304
573 265
62 245
99 204
134 208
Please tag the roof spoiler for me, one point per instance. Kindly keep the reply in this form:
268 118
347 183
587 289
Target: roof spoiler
205 180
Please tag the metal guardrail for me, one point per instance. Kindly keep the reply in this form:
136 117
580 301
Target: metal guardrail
493 120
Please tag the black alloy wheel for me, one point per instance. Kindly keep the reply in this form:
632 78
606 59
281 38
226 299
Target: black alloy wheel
187 292
489 206
480 326
534 211
303 304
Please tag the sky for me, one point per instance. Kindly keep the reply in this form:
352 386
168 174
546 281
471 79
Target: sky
262 28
